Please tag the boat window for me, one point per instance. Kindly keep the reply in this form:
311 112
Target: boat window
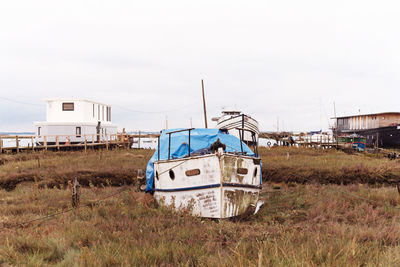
255 172
171 174
68 106
193 172
243 171
157 175
38 130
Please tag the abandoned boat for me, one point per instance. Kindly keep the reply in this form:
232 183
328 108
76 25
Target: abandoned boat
207 171
233 120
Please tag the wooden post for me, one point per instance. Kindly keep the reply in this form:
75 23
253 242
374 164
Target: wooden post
17 143
107 141
85 144
139 141
58 143
204 104
45 142
33 144
75 193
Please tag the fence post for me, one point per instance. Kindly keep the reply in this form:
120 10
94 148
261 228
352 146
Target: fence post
139 141
33 144
17 143
58 143
85 144
75 193
107 141
45 142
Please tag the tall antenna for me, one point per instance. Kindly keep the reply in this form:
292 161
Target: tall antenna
277 124
204 104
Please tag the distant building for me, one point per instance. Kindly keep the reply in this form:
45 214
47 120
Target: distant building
74 119
379 129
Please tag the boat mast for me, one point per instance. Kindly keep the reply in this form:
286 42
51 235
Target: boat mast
204 104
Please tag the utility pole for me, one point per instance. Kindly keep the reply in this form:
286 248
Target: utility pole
204 104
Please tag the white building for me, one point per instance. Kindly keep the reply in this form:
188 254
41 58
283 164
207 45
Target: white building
73 120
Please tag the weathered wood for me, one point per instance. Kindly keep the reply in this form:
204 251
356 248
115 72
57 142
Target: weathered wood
204 105
139 141
17 143
33 144
75 193
58 143
110 140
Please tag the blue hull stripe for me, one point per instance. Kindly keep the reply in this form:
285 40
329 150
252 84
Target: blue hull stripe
208 186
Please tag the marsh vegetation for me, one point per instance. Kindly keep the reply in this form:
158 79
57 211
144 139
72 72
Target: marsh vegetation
312 216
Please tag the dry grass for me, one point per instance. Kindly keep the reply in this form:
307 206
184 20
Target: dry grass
309 225
55 169
299 224
304 165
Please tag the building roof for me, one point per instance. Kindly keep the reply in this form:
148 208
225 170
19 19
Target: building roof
73 99
371 114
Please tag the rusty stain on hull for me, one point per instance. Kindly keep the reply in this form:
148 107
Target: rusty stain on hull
221 201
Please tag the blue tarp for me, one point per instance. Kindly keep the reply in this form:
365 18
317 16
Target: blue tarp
200 142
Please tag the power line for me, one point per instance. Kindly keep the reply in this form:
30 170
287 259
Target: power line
20 102
153 112
119 106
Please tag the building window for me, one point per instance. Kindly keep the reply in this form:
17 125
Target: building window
68 106
39 130
78 131
108 112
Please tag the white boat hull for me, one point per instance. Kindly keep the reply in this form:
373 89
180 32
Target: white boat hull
213 186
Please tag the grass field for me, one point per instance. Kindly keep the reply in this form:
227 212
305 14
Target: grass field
308 219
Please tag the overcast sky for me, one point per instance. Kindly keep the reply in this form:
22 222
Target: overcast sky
271 59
